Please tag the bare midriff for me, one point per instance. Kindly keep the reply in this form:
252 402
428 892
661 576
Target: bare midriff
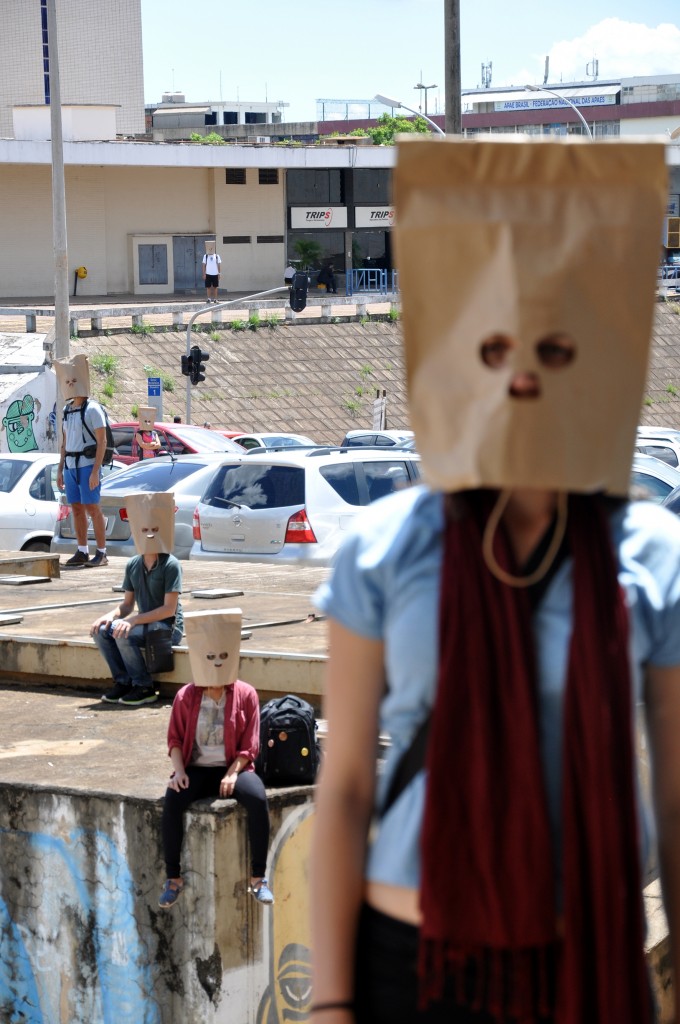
394 900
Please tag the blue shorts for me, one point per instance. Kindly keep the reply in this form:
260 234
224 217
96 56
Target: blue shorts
77 484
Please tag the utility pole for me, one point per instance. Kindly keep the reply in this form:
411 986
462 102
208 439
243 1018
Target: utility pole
452 93
61 295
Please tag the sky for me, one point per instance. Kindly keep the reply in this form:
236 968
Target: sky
275 50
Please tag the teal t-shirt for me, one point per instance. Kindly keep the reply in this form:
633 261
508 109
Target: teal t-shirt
164 578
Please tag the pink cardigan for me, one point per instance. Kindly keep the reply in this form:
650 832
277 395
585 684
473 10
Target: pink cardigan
241 722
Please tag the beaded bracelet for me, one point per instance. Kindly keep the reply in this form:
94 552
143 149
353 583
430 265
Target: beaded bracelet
317 1007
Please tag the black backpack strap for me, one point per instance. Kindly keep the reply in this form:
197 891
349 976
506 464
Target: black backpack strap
412 760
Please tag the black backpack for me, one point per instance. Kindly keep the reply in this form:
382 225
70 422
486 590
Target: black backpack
289 749
90 450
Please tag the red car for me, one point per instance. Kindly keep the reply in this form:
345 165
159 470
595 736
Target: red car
175 438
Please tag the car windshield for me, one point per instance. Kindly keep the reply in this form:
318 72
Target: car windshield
206 440
11 472
154 475
256 487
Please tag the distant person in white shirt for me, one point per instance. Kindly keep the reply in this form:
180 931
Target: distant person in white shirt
211 274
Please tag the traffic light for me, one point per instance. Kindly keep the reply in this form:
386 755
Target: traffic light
187 362
198 360
298 291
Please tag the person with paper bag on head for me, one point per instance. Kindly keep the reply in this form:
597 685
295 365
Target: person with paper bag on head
83 447
213 740
151 600
147 438
501 621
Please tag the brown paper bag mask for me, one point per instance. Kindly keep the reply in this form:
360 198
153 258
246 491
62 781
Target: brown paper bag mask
214 640
146 415
527 272
152 521
73 376
209 248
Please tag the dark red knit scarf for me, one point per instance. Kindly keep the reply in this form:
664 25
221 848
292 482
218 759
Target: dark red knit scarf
487 891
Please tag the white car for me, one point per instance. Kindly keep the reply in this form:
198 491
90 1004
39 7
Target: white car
251 441
376 438
294 506
662 443
29 499
652 479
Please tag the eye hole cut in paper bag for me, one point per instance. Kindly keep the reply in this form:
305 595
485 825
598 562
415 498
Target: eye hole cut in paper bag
214 640
527 272
151 515
73 376
146 416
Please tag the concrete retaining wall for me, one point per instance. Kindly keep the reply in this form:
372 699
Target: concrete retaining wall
82 940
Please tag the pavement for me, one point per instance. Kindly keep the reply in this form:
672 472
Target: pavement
65 737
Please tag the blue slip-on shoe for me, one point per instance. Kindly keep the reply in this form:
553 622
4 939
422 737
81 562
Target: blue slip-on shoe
261 892
170 895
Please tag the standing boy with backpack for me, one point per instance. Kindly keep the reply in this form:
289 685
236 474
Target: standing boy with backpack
212 266
83 449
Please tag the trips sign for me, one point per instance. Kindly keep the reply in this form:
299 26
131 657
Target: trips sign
374 216
318 217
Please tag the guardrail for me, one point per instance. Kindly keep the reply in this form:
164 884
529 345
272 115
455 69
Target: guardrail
141 315
371 279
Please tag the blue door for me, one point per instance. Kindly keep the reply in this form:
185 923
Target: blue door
187 261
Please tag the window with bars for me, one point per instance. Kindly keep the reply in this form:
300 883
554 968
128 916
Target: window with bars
236 240
235 175
268 175
264 239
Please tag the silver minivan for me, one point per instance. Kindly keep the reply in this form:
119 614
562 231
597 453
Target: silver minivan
287 507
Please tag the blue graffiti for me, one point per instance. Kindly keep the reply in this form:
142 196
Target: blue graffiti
105 903
18 990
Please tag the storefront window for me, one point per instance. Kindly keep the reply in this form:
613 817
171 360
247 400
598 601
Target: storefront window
327 246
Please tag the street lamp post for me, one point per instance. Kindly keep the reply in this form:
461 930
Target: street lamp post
387 101
542 88
425 89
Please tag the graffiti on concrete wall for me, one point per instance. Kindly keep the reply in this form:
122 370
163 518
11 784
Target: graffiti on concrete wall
76 954
289 990
18 424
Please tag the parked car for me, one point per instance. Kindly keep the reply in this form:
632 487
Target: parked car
370 438
285 507
29 499
186 476
663 443
177 438
652 479
274 441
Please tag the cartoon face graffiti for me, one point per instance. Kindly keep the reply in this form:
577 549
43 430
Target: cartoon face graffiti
18 423
214 640
289 993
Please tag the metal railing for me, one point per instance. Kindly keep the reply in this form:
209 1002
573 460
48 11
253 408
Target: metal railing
371 279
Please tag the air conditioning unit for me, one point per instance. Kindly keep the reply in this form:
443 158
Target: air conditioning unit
262 139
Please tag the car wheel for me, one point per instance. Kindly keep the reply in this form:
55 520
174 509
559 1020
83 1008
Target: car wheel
37 545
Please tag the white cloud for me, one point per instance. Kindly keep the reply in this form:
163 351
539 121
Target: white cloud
622 48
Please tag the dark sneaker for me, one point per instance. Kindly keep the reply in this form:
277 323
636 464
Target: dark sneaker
99 558
114 695
262 892
170 895
80 558
139 695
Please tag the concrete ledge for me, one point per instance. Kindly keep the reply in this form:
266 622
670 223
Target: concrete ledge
78 663
30 563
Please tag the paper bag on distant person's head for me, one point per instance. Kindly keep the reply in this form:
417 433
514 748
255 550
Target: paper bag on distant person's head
209 248
73 376
151 515
527 268
146 415
214 641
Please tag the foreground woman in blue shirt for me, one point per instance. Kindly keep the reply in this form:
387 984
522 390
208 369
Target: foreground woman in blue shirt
514 612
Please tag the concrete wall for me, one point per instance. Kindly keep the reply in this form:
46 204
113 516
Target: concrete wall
249 210
82 940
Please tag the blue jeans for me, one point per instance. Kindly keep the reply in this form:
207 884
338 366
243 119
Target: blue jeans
125 654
